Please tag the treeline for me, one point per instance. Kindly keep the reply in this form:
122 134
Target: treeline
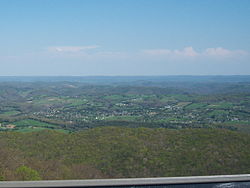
115 152
18 91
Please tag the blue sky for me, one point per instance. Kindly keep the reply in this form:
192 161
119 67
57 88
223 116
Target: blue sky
124 37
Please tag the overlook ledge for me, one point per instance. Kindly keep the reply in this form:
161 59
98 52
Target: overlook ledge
221 181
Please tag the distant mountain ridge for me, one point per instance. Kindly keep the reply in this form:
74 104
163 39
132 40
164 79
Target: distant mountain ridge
126 79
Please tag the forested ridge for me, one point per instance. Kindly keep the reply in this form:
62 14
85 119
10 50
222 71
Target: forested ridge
118 152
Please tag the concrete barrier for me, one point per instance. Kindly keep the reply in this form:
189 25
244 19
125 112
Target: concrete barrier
220 181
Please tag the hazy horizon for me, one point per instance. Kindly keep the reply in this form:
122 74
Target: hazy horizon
125 75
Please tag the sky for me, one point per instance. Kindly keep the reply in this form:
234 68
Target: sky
124 37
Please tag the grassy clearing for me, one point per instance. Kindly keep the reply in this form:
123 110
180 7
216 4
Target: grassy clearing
181 97
222 105
33 123
47 100
76 102
218 112
28 129
114 97
183 104
195 106
60 100
10 113
237 122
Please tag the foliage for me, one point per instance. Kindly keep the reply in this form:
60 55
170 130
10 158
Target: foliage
27 174
116 152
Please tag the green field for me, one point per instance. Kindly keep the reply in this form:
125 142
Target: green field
33 123
195 106
10 113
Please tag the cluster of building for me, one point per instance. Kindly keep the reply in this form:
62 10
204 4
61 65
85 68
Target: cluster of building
7 126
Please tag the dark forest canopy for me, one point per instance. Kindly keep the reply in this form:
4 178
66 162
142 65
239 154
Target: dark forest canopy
116 152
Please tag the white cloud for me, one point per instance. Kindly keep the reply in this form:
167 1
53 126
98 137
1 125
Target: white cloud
190 52
85 53
157 52
186 52
71 49
222 52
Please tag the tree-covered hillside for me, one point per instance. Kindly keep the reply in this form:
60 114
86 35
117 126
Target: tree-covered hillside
115 152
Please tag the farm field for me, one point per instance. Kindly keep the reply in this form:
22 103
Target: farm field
77 106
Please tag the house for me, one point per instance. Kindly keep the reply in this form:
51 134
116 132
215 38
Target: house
10 126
